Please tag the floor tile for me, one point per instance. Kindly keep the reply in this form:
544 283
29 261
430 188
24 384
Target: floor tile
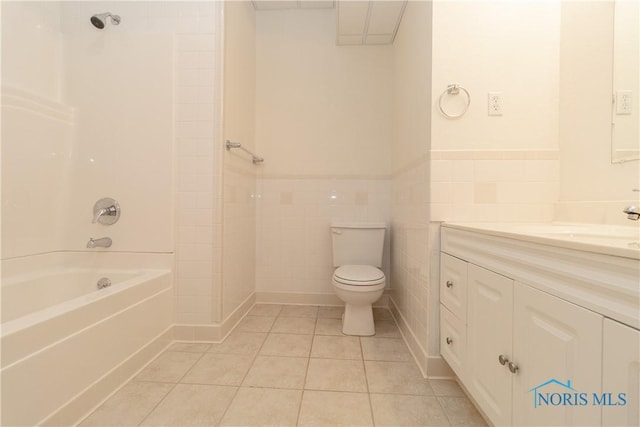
330 312
336 375
329 327
192 405
287 345
263 407
446 388
461 411
271 310
277 372
129 405
330 347
402 410
170 366
330 408
294 325
390 349
308 311
396 378
219 369
189 347
387 329
255 324
247 343
380 313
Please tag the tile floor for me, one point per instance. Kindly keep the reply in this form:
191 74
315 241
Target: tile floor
289 365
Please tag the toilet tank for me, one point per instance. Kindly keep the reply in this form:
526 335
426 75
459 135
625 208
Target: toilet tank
358 243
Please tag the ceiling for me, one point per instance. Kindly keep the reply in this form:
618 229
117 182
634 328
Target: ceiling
359 22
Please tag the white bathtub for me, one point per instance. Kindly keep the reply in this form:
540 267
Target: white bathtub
66 344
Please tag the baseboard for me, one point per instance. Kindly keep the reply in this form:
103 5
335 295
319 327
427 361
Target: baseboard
214 332
93 396
438 368
309 299
430 366
410 339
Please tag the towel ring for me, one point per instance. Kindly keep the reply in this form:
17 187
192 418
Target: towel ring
454 89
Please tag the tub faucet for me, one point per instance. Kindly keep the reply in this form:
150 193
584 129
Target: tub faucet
633 212
103 242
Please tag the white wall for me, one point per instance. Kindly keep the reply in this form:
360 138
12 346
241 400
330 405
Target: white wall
36 129
197 157
592 188
496 168
504 46
239 206
322 109
35 63
410 152
120 81
116 143
323 125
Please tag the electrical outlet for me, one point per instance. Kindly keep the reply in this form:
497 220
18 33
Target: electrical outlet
494 104
623 102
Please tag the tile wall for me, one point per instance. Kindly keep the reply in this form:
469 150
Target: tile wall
410 245
239 238
494 185
198 180
294 216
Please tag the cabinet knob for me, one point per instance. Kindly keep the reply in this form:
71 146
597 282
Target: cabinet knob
449 283
513 367
449 340
503 359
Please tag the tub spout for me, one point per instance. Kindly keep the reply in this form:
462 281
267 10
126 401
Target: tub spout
103 242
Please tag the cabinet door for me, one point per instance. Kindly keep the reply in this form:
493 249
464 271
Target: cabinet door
453 285
489 330
557 347
453 341
621 373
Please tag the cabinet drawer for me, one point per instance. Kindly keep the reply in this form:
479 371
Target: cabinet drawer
453 285
453 340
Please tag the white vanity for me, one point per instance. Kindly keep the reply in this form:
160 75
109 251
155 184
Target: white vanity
540 321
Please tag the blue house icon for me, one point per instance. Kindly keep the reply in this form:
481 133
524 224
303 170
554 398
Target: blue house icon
551 381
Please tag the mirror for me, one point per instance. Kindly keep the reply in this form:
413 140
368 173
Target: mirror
625 130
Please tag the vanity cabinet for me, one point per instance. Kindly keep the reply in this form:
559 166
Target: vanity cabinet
489 335
453 312
554 339
621 373
508 340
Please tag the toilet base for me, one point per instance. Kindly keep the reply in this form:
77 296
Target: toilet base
358 320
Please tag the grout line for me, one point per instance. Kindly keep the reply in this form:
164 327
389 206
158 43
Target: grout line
172 388
366 379
255 356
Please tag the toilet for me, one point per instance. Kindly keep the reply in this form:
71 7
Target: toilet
357 279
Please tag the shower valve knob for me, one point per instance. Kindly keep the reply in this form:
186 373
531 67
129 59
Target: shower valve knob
106 211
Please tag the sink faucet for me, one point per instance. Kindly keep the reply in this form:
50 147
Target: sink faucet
103 242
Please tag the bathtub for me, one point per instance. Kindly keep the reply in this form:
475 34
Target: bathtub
66 344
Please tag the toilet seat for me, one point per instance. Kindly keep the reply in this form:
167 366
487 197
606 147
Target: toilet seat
358 275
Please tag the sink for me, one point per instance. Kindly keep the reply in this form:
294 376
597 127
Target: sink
601 238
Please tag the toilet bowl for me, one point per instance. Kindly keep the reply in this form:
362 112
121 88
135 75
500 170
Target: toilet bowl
359 286
357 279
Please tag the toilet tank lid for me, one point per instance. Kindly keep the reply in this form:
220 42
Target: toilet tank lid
358 225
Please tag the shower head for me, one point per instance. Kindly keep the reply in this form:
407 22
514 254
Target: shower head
99 20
